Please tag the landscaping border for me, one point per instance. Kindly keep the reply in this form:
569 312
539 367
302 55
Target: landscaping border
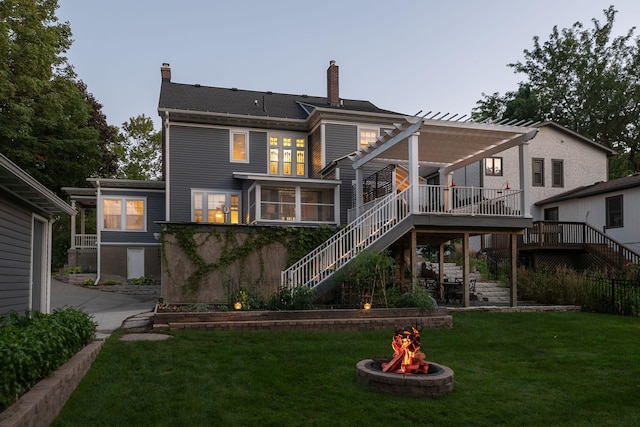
42 404
304 320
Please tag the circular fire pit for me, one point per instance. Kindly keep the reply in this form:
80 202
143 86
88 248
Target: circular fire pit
436 382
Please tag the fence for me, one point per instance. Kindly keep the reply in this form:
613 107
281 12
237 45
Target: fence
601 293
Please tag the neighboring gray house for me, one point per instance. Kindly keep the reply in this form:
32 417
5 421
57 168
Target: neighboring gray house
609 206
26 215
125 243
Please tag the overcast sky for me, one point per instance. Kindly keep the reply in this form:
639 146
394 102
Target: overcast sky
404 56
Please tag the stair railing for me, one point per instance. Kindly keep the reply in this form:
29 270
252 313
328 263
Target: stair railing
343 246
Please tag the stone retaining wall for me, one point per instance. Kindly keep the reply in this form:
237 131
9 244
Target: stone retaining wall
305 320
42 404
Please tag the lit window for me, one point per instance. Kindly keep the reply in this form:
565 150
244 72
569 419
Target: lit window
493 166
216 207
297 204
123 214
300 163
287 157
286 162
367 136
239 147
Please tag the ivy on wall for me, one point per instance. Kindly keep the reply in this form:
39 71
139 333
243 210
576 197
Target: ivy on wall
298 241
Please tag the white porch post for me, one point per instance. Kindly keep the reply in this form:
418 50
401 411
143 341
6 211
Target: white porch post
446 180
525 179
359 180
414 175
73 226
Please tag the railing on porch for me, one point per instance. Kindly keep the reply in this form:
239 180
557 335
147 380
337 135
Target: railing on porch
456 200
440 199
85 241
348 242
556 234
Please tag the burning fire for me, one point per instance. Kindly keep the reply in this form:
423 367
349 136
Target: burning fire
407 358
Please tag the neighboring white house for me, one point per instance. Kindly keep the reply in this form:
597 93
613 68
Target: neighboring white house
610 206
559 160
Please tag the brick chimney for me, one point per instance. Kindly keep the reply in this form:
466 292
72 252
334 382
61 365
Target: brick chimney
333 85
165 70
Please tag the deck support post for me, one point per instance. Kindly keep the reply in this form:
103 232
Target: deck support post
514 269
465 270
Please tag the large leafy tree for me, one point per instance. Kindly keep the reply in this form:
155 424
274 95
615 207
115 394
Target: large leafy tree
139 149
585 79
44 113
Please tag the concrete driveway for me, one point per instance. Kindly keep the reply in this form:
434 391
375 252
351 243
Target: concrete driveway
108 309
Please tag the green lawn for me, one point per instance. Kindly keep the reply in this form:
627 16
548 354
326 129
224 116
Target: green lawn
514 369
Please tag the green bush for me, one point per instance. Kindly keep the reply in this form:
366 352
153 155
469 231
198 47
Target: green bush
34 345
417 297
300 298
141 281
73 270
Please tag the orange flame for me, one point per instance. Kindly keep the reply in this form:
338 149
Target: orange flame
407 358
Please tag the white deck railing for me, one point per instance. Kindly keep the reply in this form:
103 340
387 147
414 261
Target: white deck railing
438 199
380 217
85 241
348 242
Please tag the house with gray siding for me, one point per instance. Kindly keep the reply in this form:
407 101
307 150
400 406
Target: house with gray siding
27 212
116 232
234 156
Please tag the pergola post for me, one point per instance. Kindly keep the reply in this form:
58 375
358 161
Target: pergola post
525 179
414 175
359 195
414 258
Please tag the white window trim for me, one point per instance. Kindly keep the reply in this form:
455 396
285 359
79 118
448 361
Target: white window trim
367 129
210 191
246 139
123 214
298 204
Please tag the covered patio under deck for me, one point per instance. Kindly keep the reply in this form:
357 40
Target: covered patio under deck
438 214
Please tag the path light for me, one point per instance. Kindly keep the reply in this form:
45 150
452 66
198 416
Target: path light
367 306
237 305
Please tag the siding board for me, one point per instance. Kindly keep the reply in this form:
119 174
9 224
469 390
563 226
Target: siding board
15 256
199 158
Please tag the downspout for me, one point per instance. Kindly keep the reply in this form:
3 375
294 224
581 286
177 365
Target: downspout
98 231
47 276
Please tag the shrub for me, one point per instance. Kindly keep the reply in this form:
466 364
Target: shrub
141 281
300 298
417 297
363 279
73 270
90 281
34 345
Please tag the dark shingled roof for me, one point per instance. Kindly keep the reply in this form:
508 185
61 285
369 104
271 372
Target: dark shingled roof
243 102
594 189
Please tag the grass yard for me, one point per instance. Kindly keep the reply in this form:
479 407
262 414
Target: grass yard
513 369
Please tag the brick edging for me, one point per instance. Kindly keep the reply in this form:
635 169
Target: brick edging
42 404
